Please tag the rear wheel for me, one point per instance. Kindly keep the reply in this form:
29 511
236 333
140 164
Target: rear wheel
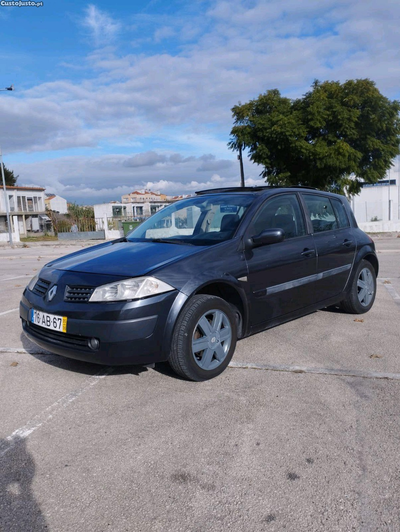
204 339
363 290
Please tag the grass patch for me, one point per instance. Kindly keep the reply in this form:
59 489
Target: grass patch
44 238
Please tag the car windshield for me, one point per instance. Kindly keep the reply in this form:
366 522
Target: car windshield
199 221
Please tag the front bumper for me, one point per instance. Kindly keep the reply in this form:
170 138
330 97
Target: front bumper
128 332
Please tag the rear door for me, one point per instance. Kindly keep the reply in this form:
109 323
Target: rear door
334 240
281 275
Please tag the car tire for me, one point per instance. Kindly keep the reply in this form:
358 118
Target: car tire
362 293
207 322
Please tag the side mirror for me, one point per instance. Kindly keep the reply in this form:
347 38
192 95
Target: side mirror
270 236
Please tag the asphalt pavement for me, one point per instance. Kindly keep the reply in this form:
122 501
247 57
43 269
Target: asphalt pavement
301 433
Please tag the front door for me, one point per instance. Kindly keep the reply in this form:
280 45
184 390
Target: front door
281 275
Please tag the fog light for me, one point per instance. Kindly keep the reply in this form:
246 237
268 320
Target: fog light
94 343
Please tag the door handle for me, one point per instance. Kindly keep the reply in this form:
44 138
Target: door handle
347 243
308 252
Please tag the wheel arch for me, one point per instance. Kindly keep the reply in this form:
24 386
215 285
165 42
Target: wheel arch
372 259
223 289
231 295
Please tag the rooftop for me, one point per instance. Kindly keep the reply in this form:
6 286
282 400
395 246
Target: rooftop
9 187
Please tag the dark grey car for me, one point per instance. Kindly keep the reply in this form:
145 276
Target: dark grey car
198 275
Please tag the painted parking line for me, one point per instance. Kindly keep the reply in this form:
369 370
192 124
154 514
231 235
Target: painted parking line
337 372
387 283
17 277
50 412
22 351
388 250
8 311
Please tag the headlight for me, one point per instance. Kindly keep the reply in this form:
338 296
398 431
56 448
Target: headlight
33 281
130 289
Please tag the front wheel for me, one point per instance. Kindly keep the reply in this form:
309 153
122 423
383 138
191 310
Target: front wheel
363 290
204 338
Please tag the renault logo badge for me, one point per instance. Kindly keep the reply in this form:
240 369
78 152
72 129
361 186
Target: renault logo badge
52 292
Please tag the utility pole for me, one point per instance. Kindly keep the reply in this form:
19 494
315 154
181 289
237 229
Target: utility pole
10 88
240 157
6 200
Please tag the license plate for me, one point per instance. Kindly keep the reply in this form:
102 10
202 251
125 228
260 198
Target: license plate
48 321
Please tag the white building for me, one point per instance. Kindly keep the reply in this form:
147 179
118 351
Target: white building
27 211
377 207
128 210
56 203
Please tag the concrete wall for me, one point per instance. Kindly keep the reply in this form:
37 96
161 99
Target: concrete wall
4 237
380 227
373 203
82 235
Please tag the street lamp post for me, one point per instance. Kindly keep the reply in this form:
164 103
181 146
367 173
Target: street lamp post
6 199
10 88
240 157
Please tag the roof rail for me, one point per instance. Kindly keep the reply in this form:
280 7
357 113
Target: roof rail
247 189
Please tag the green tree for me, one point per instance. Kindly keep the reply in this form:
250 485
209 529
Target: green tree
82 216
333 138
9 176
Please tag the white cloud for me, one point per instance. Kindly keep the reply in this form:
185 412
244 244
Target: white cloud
100 25
176 105
166 32
107 177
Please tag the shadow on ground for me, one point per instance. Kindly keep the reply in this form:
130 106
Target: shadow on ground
19 509
87 368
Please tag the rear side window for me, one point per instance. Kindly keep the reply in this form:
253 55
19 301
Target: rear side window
340 212
321 213
281 212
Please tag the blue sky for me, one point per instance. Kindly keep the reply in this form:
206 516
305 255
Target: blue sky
116 96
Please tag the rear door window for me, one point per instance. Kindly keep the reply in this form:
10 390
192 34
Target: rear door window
321 213
340 212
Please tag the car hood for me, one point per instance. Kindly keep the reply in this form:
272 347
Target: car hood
125 259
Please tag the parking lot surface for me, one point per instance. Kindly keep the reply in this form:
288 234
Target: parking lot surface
301 433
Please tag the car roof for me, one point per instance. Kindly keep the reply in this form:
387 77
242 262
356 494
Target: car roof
258 190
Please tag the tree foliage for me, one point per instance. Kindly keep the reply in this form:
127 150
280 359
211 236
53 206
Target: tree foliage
9 176
78 212
79 215
333 138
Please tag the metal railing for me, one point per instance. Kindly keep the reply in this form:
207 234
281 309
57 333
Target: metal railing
80 225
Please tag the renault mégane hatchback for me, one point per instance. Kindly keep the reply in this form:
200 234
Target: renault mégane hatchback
200 274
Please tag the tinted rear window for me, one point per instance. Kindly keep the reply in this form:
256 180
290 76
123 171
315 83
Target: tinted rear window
340 212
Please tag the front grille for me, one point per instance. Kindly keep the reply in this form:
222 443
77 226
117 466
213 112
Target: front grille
66 339
41 287
78 294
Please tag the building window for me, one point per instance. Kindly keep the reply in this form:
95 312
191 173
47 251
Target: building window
11 202
30 204
119 211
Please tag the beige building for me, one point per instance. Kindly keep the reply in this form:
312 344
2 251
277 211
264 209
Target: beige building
143 196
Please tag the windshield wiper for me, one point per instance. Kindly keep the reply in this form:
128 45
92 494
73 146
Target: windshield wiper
169 241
